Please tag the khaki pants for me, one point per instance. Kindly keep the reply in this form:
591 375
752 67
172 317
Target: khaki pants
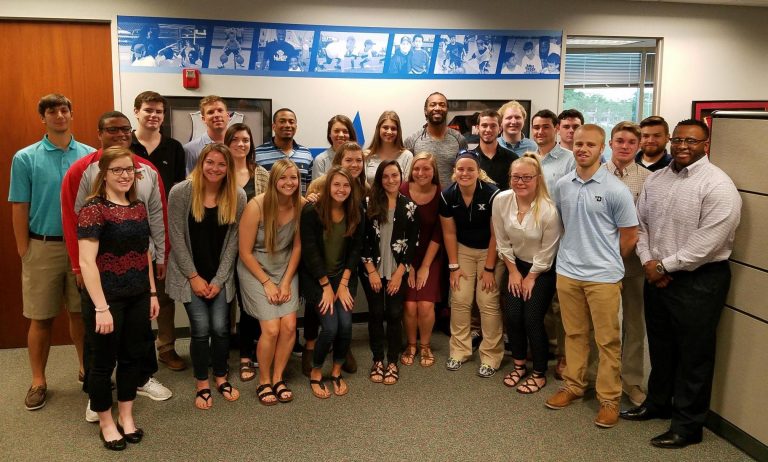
581 301
633 333
472 262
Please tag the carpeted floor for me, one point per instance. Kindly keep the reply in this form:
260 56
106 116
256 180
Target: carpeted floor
431 414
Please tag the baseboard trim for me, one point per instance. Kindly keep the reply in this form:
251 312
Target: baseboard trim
736 436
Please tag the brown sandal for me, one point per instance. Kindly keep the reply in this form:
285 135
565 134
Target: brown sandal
427 358
392 375
377 372
247 367
409 355
513 378
530 386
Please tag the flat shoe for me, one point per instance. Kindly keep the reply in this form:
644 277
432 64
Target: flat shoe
205 395
133 438
227 388
337 381
115 445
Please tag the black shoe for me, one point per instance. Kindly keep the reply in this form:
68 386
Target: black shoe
133 438
116 445
298 350
641 413
672 440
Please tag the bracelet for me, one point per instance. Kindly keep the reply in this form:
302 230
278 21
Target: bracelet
344 285
103 309
153 294
371 272
324 285
490 270
266 281
192 277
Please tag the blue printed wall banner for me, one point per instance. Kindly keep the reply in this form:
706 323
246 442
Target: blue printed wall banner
148 44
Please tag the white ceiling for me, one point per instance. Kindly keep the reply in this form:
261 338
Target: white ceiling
763 3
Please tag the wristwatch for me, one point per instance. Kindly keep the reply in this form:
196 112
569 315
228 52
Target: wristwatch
453 267
660 268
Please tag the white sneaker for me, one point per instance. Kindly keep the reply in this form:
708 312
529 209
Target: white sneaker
90 416
155 390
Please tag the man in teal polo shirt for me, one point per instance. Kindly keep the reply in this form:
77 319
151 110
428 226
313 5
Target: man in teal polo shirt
47 279
600 222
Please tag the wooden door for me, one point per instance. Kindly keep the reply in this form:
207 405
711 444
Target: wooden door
73 59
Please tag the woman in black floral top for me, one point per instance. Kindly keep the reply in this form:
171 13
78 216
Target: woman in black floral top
392 233
120 298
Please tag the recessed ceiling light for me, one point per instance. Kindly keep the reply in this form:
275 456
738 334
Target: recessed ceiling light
599 41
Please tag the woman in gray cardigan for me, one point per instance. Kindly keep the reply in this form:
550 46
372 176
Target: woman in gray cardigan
203 213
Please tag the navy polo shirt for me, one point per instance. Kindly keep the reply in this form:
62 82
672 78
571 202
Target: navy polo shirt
473 222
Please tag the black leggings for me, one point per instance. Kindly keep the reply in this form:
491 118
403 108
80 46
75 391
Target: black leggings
384 307
525 319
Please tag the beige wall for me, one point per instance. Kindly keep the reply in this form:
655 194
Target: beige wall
740 392
709 52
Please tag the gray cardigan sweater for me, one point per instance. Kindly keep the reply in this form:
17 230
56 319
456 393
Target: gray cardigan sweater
180 263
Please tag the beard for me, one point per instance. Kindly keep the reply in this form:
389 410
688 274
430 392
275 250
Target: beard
436 118
655 152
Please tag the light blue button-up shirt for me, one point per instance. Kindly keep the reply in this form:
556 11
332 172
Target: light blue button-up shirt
556 164
521 147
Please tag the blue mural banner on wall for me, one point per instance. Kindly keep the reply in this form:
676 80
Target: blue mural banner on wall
148 44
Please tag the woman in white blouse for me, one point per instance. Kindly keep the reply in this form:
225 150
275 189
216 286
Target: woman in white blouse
528 230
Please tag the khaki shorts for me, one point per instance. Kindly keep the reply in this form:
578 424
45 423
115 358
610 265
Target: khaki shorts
47 281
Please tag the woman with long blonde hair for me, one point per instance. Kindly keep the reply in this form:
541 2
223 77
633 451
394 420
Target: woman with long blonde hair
527 228
270 251
203 213
425 279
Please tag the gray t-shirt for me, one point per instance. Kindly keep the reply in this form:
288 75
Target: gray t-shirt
445 150
387 263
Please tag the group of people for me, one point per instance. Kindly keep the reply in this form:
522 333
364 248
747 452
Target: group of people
533 237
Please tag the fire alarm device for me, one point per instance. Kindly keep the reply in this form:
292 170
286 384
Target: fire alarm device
191 78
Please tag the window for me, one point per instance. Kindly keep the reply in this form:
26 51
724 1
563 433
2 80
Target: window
610 79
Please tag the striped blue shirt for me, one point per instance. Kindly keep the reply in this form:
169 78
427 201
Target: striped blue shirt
592 212
268 153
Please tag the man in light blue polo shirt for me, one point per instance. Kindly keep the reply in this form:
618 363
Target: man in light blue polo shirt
47 279
600 222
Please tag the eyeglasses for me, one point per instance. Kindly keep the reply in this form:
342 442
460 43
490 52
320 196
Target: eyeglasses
117 171
115 130
524 178
688 141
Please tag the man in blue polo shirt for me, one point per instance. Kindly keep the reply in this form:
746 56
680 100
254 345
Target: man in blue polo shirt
282 145
47 279
600 222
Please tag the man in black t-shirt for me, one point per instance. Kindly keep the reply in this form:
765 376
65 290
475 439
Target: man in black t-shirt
167 155
278 53
494 159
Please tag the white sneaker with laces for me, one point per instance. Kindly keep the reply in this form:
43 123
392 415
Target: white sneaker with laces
154 390
90 416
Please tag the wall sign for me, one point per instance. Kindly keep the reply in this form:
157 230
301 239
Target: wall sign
149 44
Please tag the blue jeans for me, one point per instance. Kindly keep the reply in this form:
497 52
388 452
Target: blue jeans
209 326
336 330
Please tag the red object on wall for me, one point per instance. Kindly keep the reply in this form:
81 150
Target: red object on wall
190 78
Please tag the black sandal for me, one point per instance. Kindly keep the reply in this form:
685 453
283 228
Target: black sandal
281 393
320 385
516 375
530 386
263 396
392 373
205 395
227 388
337 381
